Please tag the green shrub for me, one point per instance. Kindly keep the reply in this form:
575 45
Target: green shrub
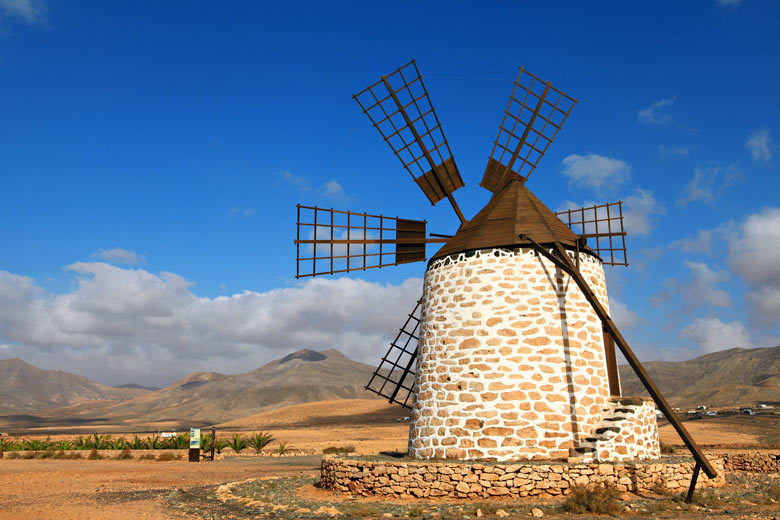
80 443
35 444
136 443
120 443
282 448
168 456
179 442
63 445
339 449
237 443
219 445
260 440
94 455
152 442
595 498
205 442
99 442
8 445
667 449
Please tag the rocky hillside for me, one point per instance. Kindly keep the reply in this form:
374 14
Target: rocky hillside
207 397
24 387
731 377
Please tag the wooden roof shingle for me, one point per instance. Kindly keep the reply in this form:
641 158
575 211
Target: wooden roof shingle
513 211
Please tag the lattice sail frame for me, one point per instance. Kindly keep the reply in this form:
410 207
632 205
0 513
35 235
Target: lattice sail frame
553 110
393 379
331 241
604 223
401 128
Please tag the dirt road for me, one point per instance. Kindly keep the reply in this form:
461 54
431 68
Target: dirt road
122 489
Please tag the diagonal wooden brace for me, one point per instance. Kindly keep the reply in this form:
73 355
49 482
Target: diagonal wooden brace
561 259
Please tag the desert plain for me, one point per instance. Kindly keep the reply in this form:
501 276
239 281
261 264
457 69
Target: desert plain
273 486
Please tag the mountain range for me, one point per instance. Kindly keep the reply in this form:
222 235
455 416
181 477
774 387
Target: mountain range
48 398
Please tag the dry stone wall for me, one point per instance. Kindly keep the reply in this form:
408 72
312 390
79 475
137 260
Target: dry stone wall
760 462
462 480
511 362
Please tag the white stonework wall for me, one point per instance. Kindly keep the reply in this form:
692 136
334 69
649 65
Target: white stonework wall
511 361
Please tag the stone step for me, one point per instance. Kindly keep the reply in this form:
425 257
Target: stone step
605 429
585 449
596 439
625 410
614 419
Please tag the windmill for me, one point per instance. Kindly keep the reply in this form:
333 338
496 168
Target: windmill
510 351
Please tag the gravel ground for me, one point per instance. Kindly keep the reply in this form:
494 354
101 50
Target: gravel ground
286 488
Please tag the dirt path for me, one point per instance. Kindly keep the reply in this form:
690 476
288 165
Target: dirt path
114 489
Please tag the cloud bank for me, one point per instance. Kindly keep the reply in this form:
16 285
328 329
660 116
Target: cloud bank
120 324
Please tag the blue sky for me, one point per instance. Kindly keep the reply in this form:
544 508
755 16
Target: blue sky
151 156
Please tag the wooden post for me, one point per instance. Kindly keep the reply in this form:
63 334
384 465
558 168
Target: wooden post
213 441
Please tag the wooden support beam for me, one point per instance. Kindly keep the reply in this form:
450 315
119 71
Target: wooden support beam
561 259
692 485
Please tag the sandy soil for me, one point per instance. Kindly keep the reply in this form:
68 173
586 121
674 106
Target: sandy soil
111 489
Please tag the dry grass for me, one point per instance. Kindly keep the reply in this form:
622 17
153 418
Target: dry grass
599 499
165 456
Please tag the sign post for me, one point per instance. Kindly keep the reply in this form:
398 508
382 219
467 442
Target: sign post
194 445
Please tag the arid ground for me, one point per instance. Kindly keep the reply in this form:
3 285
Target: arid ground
140 489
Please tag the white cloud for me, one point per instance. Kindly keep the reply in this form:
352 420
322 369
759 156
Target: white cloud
29 11
759 143
702 289
331 189
624 318
708 184
298 182
764 305
242 212
701 243
754 249
754 255
595 171
656 113
119 255
121 325
712 335
640 211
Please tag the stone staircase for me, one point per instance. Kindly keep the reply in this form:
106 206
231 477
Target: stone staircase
627 431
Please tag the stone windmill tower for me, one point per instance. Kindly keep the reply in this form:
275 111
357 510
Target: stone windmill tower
509 354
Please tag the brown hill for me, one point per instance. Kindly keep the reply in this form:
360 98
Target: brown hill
733 377
209 398
28 388
340 412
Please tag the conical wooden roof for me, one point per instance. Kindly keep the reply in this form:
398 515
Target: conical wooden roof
513 211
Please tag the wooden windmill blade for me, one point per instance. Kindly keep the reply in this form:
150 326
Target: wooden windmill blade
535 114
330 241
400 108
393 379
604 225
